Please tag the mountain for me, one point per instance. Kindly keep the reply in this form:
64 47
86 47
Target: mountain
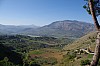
11 29
66 28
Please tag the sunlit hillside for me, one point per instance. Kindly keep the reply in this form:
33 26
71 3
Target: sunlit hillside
83 42
80 51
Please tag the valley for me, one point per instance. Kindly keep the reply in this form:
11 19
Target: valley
74 49
29 49
49 33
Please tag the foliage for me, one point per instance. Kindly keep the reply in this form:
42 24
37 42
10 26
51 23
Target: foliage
96 6
13 57
5 62
41 60
17 47
70 56
90 55
85 62
33 64
21 43
37 52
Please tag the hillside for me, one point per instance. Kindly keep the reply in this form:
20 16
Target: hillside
66 28
13 57
46 51
80 52
83 42
21 42
28 49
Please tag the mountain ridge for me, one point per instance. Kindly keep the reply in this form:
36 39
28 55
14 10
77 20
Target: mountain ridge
66 28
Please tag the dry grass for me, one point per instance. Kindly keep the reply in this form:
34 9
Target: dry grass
49 53
83 42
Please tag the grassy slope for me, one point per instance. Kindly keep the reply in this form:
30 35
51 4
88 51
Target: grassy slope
47 53
83 42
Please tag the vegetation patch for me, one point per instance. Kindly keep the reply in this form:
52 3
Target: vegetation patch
36 52
85 62
90 56
45 61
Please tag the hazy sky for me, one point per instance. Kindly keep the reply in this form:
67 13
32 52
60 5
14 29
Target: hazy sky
41 12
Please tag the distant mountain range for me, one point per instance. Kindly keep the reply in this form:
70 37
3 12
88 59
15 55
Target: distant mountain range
66 28
11 29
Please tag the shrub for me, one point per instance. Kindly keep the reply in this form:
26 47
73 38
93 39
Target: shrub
72 55
5 62
34 64
85 62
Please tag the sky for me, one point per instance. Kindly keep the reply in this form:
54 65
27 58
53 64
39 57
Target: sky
41 12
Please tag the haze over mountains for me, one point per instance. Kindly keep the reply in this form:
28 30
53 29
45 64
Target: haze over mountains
11 29
66 28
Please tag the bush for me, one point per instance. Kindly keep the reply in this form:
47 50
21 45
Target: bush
85 62
90 56
71 55
5 62
33 64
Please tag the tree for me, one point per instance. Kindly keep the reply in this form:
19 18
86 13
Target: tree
93 8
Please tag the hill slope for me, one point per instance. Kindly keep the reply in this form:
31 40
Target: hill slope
83 42
14 57
75 54
66 28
